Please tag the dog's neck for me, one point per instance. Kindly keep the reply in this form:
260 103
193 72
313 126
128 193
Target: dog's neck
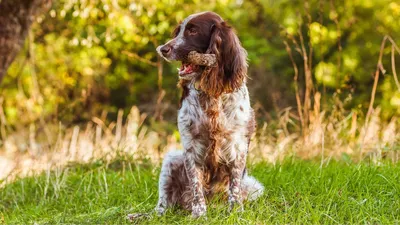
193 84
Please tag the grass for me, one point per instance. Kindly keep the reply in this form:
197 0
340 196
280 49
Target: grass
296 192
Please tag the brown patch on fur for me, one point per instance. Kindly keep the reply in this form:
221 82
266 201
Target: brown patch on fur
231 69
215 174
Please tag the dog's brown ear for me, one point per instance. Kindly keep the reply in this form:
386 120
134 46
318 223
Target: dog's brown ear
231 69
234 60
211 80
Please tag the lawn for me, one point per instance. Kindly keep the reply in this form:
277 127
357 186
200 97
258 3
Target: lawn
297 192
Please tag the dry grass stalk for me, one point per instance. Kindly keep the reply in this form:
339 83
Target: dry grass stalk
380 68
329 136
80 144
296 85
305 106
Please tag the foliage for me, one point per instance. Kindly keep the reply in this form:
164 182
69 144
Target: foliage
84 57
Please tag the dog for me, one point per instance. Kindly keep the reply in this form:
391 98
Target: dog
215 120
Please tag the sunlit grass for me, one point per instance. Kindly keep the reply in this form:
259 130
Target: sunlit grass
296 192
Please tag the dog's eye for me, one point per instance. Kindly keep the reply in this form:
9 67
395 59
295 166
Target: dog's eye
192 31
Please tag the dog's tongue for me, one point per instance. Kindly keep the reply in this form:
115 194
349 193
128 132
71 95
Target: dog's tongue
186 68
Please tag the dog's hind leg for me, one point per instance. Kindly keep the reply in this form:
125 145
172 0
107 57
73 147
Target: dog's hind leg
166 191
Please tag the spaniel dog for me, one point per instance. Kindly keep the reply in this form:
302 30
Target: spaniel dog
215 120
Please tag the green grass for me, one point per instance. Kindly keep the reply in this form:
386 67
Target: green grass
296 192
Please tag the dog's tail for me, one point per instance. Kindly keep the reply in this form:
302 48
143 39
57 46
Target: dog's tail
251 188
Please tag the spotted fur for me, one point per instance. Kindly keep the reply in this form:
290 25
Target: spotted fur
215 122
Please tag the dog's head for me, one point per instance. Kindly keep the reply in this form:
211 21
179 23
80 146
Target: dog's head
207 32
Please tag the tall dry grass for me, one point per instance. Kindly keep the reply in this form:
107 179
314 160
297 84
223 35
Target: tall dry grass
334 136
26 152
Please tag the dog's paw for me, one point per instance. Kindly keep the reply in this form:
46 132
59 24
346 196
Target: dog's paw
160 210
198 210
236 206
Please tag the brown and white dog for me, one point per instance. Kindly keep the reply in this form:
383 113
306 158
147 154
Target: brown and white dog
215 119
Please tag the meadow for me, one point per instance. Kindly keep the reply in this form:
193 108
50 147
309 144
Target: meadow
296 192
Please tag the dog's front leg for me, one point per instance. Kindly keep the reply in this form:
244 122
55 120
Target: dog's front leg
236 174
194 174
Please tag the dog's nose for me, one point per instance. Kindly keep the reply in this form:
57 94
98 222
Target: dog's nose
165 50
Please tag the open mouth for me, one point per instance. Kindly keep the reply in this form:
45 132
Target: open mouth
187 68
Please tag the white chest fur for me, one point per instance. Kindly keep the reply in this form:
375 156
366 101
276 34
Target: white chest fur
234 115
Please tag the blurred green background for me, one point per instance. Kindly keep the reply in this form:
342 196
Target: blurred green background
85 57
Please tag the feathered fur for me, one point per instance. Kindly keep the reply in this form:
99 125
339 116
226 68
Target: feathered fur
215 120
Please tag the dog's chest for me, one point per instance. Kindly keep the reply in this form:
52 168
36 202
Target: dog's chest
195 125
233 109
